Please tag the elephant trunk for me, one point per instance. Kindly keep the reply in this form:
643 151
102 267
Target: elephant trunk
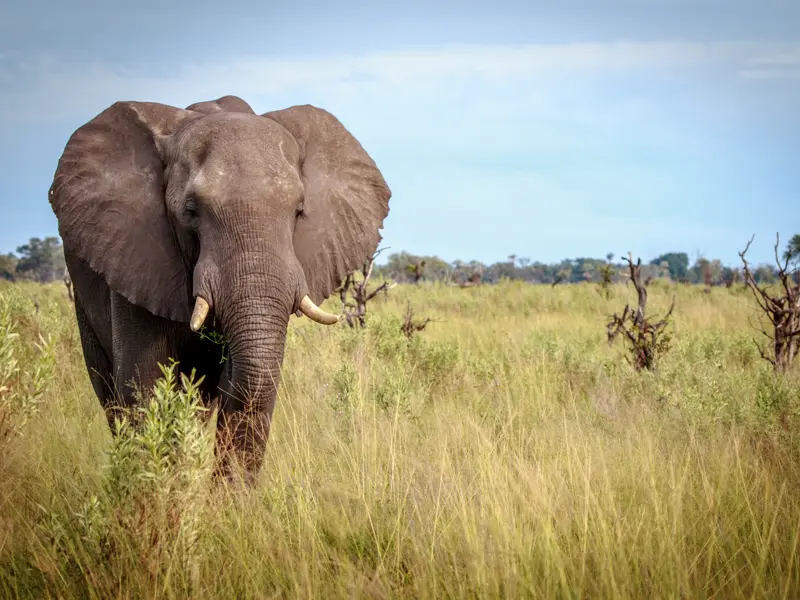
254 316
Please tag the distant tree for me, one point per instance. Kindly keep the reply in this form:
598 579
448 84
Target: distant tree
8 266
792 253
606 277
765 274
731 276
417 270
473 280
677 263
41 260
402 267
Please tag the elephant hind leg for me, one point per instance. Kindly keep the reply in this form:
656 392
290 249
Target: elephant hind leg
97 362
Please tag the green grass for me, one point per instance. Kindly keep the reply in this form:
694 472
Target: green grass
505 451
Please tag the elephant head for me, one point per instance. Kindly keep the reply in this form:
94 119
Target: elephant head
218 210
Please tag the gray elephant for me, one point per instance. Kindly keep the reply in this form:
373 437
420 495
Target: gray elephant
211 216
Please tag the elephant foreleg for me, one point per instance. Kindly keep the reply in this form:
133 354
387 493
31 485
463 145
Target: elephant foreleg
141 341
97 361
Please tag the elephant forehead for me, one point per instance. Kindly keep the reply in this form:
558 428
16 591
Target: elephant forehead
238 135
220 179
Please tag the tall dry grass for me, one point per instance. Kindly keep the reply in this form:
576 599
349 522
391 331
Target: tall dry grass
506 451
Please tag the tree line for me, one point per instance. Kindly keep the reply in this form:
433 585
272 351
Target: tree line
42 260
404 267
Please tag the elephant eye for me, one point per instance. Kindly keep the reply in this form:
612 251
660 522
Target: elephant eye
300 208
191 211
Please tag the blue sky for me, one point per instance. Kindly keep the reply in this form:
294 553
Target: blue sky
501 127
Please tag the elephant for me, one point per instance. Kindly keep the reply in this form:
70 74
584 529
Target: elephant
177 222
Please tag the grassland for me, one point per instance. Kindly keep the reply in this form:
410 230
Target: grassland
506 451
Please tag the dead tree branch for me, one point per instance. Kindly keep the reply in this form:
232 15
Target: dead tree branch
647 340
410 326
355 306
782 310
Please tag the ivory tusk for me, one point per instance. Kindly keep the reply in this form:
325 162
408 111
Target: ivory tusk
199 315
315 313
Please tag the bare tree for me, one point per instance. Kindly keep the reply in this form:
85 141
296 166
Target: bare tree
410 326
782 310
647 340
355 307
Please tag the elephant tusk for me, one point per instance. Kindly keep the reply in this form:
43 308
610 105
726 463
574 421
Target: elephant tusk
199 315
315 313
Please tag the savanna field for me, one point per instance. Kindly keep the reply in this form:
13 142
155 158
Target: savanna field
504 451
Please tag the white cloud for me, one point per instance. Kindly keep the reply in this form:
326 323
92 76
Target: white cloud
771 74
783 64
46 88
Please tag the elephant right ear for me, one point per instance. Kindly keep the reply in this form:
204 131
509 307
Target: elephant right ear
108 196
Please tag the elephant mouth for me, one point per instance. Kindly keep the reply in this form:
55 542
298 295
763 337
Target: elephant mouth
307 307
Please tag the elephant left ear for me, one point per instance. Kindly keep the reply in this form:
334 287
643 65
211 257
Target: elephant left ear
346 198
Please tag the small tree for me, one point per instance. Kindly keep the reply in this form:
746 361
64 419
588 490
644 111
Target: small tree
355 308
783 311
731 276
416 270
607 277
8 266
647 340
561 275
792 253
